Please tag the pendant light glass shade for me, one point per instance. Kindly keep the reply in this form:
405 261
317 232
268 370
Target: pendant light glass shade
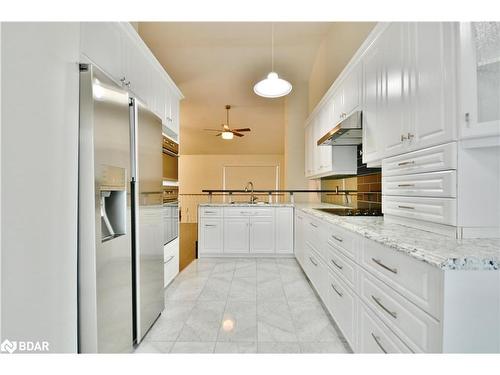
272 86
227 135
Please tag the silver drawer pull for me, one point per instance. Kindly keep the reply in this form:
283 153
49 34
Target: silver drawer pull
407 207
336 264
377 341
210 212
391 313
405 185
313 261
169 259
337 238
379 262
210 225
314 225
336 291
406 163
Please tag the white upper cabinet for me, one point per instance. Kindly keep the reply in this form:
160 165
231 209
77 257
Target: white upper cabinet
119 51
101 42
480 79
432 84
408 89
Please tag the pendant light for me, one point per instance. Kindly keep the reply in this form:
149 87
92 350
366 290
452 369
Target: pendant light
272 86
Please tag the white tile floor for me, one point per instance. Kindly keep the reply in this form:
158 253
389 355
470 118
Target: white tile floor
242 306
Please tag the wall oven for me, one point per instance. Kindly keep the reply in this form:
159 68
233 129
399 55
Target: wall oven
170 190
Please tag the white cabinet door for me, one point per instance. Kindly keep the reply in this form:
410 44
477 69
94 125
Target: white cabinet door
210 236
236 239
299 240
307 150
393 115
480 79
372 103
351 91
338 106
284 230
174 112
262 235
432 84
101 43
324 152
138 69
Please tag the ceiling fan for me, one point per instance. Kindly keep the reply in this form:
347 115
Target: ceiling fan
226 132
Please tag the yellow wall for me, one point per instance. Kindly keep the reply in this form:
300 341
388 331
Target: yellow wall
338 46
198 172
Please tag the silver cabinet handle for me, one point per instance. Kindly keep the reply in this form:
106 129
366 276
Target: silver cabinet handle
169 259
337 238
379 262
378 302
313 261
377 341
405 185
407 207
336 291
406 163
403 137
210 225
210 212
313 225
410 136
336 264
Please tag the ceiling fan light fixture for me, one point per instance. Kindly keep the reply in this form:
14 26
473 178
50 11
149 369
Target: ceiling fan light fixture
272 86
227 135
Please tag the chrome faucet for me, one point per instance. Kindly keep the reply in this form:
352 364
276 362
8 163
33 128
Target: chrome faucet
253 198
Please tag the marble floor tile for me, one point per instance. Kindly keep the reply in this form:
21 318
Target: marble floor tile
171 321
216 289
278 347
299 290
193 347
204 322
154 347
270 290
244 289
245 269
239 322
323 347
311 322
275 323
235 347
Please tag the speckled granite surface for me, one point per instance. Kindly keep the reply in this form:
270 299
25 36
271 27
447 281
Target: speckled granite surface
437 250
246 204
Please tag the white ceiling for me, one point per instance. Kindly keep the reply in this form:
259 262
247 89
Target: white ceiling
217 63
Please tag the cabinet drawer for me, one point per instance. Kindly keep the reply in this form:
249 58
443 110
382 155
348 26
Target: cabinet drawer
315 270
211 211
170 268
210 236
247 211
375 337
342 304
431 159
416 328
436 210
433 184
342 240
414 279
314 233
341 264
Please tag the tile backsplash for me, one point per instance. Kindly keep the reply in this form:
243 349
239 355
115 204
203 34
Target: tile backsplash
368 187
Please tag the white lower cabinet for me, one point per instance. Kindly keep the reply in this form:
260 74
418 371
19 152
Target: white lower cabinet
210 235
384 301
234 230
236 235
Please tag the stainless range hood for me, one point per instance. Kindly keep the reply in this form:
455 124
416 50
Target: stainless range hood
346 133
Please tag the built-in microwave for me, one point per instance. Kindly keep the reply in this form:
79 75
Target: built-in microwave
170 160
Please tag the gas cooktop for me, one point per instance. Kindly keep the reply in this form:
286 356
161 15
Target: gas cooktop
352 211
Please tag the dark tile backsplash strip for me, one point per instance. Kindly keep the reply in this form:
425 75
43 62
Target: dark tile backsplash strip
369 191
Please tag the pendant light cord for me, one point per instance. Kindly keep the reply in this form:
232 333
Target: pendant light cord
272 46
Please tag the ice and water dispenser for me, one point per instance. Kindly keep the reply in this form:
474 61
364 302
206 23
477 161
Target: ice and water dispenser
113 202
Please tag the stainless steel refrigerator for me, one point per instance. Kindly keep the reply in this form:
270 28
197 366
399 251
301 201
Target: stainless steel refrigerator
120 252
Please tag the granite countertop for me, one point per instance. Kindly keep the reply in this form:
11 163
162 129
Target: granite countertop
242 204
440 251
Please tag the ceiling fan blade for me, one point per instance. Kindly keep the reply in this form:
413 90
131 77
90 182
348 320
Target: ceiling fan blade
218 135
237 134
243 130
